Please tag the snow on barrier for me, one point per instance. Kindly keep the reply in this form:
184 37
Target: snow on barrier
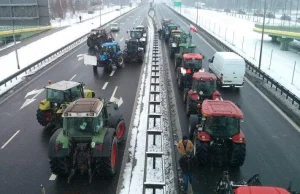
16 78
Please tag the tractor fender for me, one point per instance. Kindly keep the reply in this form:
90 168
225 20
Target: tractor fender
106 144
58 136
89 93
44 105
114 120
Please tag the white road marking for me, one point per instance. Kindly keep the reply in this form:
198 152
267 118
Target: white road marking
28 101
52 177
10 139
119 101
121 39
113 94
104 86
255 88
73 77
112 73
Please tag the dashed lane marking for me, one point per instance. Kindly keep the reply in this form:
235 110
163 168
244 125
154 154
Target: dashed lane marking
52 177
10 139
73 77
121 39
112 73
104 86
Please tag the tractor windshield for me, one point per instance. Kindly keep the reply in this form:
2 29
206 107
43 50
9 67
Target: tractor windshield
204 88
55 96
193 64
222 126
108 49
136 34
132 46
170 28
80 126
187 49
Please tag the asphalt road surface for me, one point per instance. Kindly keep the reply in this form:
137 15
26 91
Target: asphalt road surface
24 163
272 142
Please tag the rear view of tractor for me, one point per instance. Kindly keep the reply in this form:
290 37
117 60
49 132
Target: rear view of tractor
201 86
252 186
57 94
168 29
183 48
139 35
175 40
97 37
133 52
88 141
217 135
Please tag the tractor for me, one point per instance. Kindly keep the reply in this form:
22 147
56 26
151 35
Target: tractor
133 52
175 40
165 22
191 63
143 29
64 92
88 141
97 37
201 86
183 48
138 34
217 135
253 185
168 29
173 33
108 56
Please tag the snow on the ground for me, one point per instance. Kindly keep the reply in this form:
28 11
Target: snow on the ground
73 19
238 34
8 45
38 49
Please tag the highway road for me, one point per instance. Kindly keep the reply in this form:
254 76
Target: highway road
24 144
272 142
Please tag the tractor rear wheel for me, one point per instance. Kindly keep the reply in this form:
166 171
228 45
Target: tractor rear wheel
200 151
106 166
188 106
120 63
185 93
43 117
120 131
179 81
238 155
59 166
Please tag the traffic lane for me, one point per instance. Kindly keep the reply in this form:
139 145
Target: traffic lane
265 122
39 129
64 71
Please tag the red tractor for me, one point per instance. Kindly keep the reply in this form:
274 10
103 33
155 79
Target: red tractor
201 86
191 63
217 135
253 185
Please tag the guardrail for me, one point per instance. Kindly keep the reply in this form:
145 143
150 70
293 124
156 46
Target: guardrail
50 57
251 67
154 173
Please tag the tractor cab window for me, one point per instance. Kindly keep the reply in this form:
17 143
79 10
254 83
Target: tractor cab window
193 64
55 96
79 126
187 49
222 126
136 34
172 28
109 49
205 88
76 93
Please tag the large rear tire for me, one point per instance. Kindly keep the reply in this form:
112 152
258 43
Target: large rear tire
200 151
179 81
43 117
106 166
193 121
59 166
238 155
188 105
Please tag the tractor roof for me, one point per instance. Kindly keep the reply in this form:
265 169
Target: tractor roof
260 189
166 20
171 25
194 56
176 31
110 44
225 108
187 45
140 26
63 85
204 76
84 107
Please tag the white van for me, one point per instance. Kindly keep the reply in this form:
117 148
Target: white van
229 69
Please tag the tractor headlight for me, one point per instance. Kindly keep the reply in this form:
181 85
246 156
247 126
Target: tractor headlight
93 144
55 104
200 92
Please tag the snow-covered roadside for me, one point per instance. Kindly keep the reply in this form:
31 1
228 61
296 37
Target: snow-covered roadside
38 49
238 34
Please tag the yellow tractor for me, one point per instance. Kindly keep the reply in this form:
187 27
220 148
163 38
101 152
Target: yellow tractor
59 95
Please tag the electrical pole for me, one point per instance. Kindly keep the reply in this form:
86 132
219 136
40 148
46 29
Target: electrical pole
100 11
262 35
14 36
197 12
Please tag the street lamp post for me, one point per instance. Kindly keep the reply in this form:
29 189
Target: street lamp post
14 36
100 11
197 12
262 35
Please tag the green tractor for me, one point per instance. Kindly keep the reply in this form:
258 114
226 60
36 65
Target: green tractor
49 110
175 40
183 48
168 29
88 141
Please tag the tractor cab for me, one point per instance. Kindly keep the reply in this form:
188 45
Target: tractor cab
174 33
165 22
168 29
107 49
183 49
192 61
143 29
133 51
136 34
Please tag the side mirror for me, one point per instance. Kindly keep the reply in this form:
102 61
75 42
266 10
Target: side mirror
200 128
116 107
209 60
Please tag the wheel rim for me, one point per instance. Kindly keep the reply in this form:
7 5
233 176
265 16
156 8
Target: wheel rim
120 131
113 154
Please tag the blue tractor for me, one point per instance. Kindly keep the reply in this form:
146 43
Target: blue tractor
107 56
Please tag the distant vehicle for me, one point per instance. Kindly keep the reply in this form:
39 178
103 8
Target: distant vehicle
227 10
270 15
90 11
229 69
240 11
286 17
114 27
258 13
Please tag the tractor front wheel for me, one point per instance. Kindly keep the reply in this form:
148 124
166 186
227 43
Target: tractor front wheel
43 117
238 155
106 166
59 166
120 131
120 63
